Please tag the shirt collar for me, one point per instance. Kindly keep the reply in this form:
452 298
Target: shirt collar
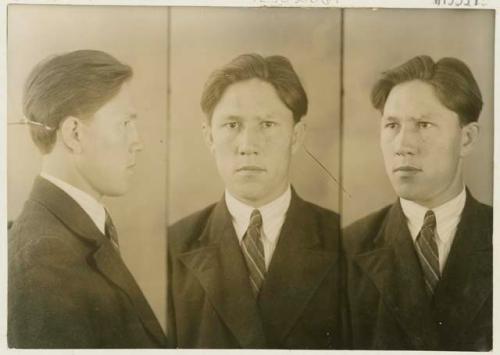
90 205
446 214
271 212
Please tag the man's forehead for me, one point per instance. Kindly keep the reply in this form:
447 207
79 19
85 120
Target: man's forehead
411 93
251 102
414 99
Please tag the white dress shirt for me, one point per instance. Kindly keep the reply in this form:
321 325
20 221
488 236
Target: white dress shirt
273 217
447 219
90 205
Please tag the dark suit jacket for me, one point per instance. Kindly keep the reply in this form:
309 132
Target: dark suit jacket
211 304
388 305
68 287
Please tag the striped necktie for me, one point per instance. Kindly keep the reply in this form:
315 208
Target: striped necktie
253 251
428 253
110 231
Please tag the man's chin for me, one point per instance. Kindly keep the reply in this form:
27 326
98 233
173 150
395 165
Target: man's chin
407 192
248 195
116 190
419 197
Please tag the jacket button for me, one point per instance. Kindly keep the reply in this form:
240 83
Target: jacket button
440 322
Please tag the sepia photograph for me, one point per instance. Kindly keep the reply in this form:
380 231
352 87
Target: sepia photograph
86 172
270 176
254 260
417 153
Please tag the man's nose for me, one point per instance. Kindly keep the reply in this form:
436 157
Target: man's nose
249 141
406 141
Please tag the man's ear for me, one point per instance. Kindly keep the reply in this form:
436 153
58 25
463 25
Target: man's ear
299 134
470 135
70 133
207 135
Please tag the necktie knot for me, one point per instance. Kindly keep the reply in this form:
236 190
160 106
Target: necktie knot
110 230
429 220
255 220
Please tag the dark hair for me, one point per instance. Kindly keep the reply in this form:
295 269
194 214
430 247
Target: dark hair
275 70
72 84
451 79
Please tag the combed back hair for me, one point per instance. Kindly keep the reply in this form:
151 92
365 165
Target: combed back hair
451 79
74 84
275 70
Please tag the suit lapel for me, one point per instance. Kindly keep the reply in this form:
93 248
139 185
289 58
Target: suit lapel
105 257
298 266
467 278
219 266
394 268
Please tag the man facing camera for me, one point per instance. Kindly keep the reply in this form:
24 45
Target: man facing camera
68 285
258 269
420 271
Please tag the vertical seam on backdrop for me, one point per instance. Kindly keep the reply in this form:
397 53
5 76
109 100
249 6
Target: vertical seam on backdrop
168 150
341 116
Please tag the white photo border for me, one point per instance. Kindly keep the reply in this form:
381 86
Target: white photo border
402 4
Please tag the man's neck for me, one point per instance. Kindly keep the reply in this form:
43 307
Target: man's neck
262 202
286 191
88 203
56 167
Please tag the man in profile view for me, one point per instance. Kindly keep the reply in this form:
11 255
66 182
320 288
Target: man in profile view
68 285
419 272
259 268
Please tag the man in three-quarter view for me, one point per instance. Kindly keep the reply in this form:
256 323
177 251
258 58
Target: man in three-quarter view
259 268
68 286
419 272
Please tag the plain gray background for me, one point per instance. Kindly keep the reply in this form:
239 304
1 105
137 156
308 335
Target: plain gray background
377 40
204 39
136 36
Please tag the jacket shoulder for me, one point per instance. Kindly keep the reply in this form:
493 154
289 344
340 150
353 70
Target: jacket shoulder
188 229
359 235
34 219
323 222
323 213
479 217
485 212
37 238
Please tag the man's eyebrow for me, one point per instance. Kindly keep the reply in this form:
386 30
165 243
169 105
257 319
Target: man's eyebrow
133 116
231 118
424 117
268 116
419 118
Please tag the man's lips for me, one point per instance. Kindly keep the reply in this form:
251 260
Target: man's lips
406 169
250 168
